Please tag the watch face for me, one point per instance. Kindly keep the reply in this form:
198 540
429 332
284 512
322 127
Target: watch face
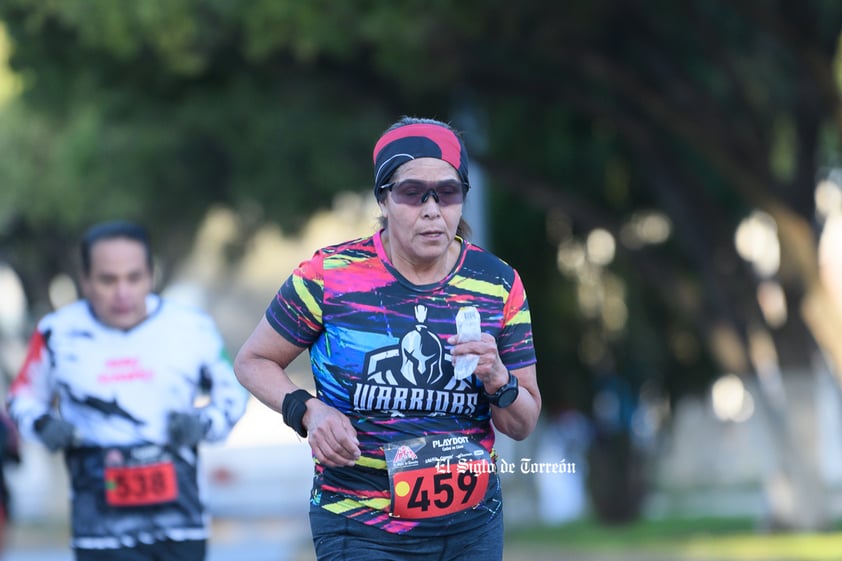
507 397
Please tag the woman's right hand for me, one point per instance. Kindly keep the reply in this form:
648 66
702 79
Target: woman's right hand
331 435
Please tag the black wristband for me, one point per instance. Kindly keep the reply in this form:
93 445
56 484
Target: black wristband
293 409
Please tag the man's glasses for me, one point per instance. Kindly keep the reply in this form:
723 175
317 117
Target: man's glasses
415 192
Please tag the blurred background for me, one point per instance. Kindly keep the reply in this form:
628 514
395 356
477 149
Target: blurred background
666 177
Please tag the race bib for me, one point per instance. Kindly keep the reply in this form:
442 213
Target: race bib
139 477
435 475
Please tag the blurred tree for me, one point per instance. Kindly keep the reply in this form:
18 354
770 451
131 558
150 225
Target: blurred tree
705 122
625 143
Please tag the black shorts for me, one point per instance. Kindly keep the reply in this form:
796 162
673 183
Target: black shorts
167 550
336 538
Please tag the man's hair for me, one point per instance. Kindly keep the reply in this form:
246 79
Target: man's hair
110 231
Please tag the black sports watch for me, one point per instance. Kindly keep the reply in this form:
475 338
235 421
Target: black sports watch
504 396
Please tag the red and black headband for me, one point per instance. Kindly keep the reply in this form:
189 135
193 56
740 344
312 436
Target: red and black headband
418 140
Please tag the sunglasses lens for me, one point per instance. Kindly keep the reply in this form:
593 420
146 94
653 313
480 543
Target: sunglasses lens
415 193
450 193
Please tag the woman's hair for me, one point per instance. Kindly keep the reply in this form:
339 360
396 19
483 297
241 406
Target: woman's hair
463 230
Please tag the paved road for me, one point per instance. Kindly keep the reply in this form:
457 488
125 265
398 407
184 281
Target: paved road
275 539
270 539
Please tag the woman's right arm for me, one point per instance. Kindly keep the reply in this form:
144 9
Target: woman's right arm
260 367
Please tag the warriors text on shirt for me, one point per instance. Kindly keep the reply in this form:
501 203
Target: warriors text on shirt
373 397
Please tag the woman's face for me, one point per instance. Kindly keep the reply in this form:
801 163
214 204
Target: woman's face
422 234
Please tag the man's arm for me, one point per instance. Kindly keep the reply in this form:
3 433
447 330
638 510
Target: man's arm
30 397
228 398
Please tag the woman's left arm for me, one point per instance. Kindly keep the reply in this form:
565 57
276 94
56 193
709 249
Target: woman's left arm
518 420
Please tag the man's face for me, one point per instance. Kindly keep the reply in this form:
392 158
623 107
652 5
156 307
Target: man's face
118 282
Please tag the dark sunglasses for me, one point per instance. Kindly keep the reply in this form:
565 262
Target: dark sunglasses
415 192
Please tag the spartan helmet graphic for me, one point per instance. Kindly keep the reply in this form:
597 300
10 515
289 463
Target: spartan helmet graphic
421 354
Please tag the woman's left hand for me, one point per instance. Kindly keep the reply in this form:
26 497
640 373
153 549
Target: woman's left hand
518 419
490 369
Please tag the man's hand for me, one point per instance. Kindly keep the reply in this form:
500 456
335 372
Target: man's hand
56 434
185 429
331 435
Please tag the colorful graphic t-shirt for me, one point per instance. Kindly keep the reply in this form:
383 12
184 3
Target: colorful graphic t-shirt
379 353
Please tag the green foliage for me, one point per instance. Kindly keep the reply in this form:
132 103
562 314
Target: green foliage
590 110
727 539
125 124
